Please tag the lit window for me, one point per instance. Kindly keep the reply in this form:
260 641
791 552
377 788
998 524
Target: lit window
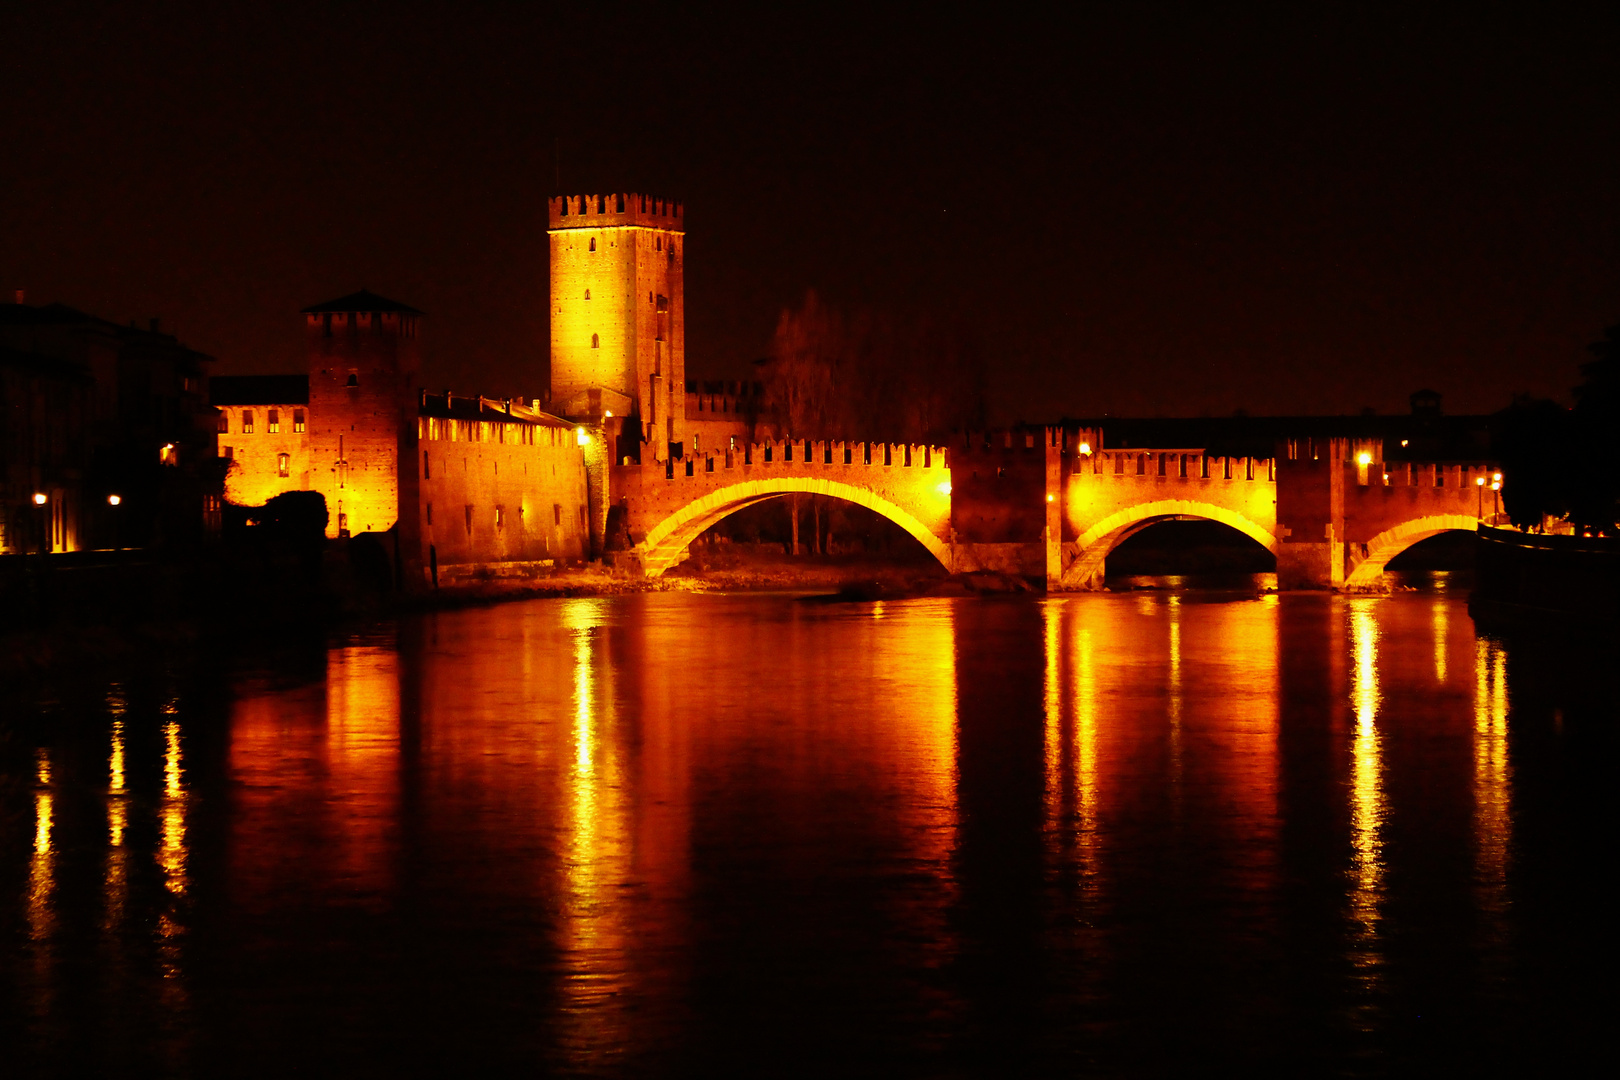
247 421
272 423
596 343
298 420
500 517
283 464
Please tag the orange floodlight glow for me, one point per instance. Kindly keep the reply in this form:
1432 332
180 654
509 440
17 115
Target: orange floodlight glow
39 498
1480 481
1364 458
1085 448
581 435
944 488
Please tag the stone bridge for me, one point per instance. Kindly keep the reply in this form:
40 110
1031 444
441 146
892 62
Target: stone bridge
669 504
1054 502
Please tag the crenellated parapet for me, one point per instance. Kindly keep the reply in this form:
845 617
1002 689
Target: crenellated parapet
615 208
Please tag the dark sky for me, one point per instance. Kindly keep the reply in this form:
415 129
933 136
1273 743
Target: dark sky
1154 212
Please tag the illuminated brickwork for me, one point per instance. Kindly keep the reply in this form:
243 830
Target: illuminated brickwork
499 483
617 312
363 363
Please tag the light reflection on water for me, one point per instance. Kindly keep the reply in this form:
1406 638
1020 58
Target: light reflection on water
665 833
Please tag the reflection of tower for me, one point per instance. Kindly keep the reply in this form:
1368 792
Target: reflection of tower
363 362
618 334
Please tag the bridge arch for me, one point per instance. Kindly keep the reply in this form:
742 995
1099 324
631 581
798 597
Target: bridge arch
664 542
1392 541
1086 571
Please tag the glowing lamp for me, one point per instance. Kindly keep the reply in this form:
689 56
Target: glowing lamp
944 488
1496 478
114 500
608 413
1403 442
1085 448
1480 481
1364 458
582 436
1496 485
39 498
1051 498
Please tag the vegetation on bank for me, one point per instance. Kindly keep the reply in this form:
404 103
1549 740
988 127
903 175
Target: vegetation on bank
1564 464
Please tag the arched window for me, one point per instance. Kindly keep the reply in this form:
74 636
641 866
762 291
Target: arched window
596 342
658 243
593 243
354 380
587 294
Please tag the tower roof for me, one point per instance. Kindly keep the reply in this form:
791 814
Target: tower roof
363 300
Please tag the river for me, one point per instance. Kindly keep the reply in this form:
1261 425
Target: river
1114 834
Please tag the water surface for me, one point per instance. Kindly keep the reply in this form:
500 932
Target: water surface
660 834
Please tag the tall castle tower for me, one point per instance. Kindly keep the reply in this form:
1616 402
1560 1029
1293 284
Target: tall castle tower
618 328
363 365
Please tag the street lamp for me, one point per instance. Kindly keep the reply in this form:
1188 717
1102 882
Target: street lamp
1479 510
113 500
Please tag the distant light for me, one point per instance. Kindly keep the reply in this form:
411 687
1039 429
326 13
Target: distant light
1051 498
1403 442
1364 458
1496 485
39 498
114 500
1497 477
944 488
583 436
1480 481
1085 448
608 414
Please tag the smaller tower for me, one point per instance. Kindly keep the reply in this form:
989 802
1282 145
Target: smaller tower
363 365
618 326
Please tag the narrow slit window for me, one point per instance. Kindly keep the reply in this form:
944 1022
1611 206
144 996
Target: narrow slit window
593 243
596 341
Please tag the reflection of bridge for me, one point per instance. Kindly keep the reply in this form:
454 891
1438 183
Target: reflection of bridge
1054 502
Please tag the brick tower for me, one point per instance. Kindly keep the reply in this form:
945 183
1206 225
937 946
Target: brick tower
363 364
618 334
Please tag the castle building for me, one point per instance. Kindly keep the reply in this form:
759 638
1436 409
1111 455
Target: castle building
462 480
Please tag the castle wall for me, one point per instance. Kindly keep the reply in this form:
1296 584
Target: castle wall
256 473
498 492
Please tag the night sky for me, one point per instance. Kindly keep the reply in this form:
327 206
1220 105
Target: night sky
1304 209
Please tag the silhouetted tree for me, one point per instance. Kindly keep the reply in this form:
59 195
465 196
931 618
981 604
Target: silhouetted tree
1595 500
1532 440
